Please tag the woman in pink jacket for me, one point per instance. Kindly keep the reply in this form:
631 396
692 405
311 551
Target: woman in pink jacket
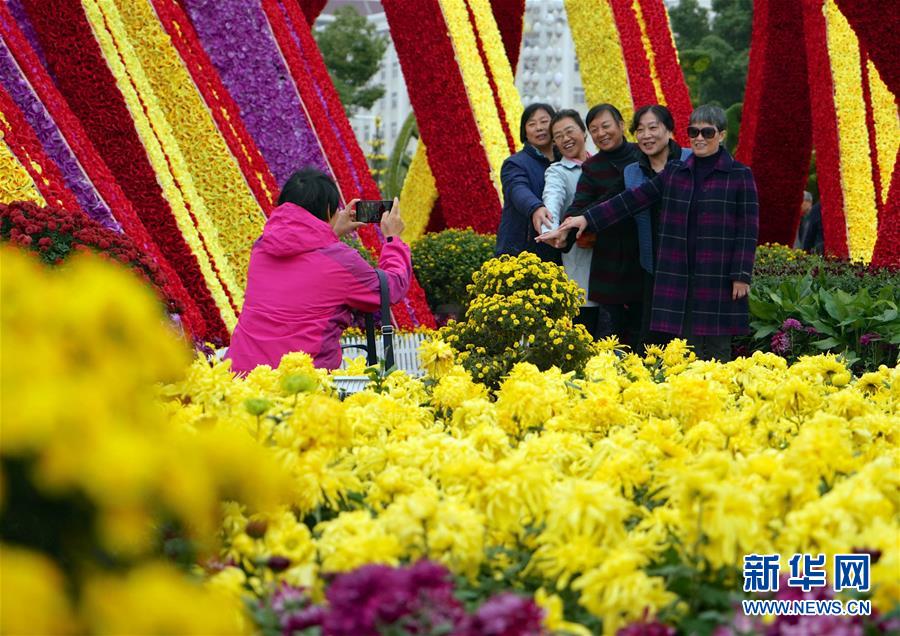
303 281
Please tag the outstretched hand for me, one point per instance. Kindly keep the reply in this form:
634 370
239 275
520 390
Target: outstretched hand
557 238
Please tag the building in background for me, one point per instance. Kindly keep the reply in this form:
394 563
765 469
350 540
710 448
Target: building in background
548 67
547 71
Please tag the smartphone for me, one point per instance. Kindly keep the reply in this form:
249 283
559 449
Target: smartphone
371 211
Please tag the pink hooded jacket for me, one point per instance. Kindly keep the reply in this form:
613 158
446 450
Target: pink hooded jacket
301 283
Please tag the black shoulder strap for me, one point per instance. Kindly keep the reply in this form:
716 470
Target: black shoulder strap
371 351
387 329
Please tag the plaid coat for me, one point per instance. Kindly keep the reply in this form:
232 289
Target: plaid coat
727 228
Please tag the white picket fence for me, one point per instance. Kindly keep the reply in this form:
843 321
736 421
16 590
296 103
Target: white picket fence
406 347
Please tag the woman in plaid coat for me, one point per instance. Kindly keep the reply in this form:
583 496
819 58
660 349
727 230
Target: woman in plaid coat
709 221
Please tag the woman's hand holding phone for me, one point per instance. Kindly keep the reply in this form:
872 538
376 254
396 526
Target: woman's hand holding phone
391 223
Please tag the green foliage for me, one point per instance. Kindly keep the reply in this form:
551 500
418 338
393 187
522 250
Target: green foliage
805 304
445 261
400 159
690 23
733 113
714 48
521 309
352 51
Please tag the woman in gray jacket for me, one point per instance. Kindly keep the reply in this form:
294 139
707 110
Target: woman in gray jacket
560 180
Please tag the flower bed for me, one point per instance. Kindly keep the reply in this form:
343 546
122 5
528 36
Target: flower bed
55 233
803 304
623 496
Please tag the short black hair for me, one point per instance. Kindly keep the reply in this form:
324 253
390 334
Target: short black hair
527 114
567 113
312 190
659 111
603 108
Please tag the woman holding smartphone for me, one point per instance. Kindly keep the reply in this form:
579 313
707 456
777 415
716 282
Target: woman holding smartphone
303 281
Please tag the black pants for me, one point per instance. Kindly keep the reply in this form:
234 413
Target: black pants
622 321
587 316
706 347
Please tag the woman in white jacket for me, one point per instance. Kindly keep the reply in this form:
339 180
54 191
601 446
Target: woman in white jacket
560 180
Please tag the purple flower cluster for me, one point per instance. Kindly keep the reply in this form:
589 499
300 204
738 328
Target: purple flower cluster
415 600
378 595
868 338
506 614
52 140
781 343
240 43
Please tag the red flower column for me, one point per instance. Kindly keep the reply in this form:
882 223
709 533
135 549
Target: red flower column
510 17
776 133
444 115
877 32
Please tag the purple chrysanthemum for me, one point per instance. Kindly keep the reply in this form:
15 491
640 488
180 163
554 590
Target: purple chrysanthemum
781 343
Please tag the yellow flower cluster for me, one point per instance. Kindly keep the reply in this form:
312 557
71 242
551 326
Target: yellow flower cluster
773 253
856 159
600 56
82 348
521 310
887 128
15 182
214 172
418 195
165 155
571 485
594 477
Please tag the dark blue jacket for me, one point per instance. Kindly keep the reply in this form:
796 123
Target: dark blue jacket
522 177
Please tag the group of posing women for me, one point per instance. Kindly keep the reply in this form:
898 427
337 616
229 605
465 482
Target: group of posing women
660 238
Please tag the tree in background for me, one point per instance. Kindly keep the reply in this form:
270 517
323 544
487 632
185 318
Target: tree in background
376 157
352 51
714 48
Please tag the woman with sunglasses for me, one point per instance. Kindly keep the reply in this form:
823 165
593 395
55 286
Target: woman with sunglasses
709 221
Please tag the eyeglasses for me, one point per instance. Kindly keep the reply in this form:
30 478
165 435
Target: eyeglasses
708 132
562 134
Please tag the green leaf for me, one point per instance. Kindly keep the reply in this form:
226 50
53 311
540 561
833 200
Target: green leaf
765 331
888 315
827 343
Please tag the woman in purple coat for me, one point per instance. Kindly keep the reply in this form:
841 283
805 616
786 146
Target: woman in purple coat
709 221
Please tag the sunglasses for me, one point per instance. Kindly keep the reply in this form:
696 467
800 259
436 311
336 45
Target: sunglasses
708 132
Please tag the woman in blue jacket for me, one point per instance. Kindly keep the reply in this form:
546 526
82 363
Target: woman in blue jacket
522 178
654 129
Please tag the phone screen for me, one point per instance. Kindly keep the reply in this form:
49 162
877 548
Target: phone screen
371 211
